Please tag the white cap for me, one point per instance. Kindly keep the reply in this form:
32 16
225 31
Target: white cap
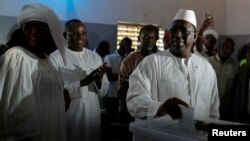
30 13
186 15
211 32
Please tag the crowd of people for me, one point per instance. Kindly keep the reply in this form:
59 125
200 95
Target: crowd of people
53 90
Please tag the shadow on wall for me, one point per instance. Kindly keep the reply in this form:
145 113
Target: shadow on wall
93 40
101 32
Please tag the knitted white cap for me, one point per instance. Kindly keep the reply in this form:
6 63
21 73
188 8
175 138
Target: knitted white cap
187 15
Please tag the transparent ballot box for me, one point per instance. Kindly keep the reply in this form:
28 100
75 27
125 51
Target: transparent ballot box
167 129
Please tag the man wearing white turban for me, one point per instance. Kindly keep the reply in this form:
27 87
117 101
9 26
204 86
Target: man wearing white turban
32 103
206 40
165 80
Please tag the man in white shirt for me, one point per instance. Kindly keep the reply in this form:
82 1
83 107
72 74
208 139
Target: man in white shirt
85 80
167 79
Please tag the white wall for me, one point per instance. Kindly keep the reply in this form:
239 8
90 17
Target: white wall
237 17
237 22
232 17
111 11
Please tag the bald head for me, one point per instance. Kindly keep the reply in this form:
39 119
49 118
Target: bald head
69 24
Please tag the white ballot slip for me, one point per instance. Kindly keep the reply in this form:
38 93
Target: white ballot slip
186 122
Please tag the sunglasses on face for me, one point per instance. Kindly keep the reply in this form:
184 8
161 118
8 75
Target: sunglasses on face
39 26
184 32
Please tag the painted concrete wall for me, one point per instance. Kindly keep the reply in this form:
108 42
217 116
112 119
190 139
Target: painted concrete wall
237 22
158 12
237 17
102 16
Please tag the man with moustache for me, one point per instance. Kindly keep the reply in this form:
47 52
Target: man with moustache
167 79
85 79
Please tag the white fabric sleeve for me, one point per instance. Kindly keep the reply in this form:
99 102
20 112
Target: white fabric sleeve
107 60
139 96
74 90
215 101
18 108
104 88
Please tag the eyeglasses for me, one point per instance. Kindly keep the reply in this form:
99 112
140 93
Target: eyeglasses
78 34
39 26
184 32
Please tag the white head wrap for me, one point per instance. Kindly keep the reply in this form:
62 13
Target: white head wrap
211 32
187 15
39 12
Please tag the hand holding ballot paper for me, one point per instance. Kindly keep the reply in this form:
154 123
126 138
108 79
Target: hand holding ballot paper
178 109
171 107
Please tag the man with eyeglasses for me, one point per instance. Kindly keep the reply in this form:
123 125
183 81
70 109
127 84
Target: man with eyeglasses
85 79
163 81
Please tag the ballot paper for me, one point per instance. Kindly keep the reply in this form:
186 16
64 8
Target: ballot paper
186 122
